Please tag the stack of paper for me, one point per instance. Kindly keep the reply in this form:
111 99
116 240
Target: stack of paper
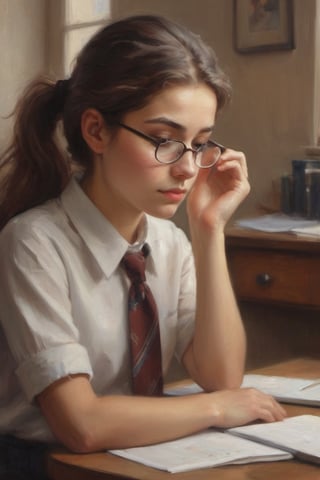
279 222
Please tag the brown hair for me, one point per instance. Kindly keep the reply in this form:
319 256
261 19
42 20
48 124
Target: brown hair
119 70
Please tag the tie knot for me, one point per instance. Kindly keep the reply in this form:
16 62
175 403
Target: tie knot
134 264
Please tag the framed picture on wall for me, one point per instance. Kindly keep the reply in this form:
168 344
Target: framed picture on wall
263 25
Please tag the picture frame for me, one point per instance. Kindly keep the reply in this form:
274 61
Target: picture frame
263 25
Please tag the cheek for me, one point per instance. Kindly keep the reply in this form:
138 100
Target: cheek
133 155
132 167
137 162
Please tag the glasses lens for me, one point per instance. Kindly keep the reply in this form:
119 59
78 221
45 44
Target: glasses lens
169 151
208 156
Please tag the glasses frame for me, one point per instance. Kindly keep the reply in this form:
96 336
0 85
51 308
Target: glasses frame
158 143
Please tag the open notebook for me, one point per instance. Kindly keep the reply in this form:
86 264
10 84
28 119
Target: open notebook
298 435
202 450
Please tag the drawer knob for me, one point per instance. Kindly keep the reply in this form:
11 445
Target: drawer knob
263 279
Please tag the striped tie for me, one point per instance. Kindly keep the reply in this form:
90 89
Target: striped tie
144 328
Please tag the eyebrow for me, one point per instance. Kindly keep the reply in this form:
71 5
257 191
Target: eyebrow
177 126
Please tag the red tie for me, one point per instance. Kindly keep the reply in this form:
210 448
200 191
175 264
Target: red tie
144 328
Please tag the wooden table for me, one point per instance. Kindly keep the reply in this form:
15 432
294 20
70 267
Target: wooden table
103 466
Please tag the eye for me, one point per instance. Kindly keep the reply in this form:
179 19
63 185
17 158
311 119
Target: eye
161 135
162 140
200 146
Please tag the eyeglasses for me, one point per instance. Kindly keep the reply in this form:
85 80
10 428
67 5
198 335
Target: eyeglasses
170 151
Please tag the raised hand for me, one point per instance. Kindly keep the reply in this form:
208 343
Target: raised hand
218 191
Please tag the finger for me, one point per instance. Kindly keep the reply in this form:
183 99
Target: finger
234 173
266 406
279 411
272 416
272 410
239 157
268 416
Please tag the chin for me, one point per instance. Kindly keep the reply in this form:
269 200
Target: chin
165 212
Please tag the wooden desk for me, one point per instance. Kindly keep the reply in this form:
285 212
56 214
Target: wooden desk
274 268
102 466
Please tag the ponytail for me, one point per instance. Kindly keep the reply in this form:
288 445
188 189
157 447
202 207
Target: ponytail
33 168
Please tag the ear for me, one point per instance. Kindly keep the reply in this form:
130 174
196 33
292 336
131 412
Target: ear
94 130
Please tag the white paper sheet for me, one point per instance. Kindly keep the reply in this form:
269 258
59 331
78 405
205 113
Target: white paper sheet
278 222
300 434
202 450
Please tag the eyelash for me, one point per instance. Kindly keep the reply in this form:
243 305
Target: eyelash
162 139
167 138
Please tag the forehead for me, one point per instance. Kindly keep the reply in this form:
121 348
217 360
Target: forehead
186 105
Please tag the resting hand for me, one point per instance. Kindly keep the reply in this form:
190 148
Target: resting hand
241 406
218 191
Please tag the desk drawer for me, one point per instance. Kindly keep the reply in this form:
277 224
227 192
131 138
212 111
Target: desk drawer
275 276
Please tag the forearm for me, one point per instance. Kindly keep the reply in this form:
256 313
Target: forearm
218 347
139 420
86 423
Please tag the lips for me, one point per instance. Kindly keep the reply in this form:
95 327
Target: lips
174 194
175 191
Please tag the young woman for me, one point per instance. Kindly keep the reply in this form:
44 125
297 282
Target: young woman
138 115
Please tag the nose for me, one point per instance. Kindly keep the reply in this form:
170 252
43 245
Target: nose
185 166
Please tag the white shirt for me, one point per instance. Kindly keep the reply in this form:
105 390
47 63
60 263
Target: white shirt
63 298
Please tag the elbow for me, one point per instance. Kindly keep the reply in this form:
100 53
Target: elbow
80 442
84 445
229 381
78 437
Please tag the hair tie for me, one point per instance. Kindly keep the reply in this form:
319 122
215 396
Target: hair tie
61 90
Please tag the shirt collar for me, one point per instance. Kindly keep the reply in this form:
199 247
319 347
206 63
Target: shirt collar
99 235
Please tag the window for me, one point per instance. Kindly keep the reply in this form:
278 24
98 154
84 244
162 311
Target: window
81 19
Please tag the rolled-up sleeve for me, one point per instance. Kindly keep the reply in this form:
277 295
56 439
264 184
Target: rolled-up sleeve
42 369
36 312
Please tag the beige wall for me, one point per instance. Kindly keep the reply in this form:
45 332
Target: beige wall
23 43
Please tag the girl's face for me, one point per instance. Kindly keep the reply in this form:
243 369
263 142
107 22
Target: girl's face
127 180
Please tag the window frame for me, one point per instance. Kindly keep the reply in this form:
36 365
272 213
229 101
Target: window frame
58 31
